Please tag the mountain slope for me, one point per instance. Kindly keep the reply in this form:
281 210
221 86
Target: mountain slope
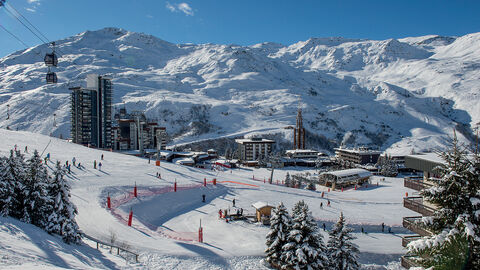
399 94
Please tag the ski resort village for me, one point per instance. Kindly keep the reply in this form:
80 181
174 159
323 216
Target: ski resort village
119 150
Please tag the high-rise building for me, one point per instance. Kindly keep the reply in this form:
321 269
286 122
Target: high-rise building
299 132
91 110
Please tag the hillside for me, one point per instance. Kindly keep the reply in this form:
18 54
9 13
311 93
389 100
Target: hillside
393 94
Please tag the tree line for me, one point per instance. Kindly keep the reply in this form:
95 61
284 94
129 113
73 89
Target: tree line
29 193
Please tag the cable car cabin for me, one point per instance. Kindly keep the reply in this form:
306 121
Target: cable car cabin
51 59
51 77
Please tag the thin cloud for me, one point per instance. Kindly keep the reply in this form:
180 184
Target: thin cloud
182 7
149 16
34 4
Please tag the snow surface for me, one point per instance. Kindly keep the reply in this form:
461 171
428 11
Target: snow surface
165 222
394 94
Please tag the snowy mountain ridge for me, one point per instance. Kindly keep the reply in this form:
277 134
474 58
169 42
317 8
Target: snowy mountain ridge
394 94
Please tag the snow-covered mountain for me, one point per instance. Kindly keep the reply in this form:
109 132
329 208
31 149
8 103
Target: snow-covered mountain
395 94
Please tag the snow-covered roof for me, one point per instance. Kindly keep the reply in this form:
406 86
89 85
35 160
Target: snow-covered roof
293 151
349 172
358 151
260 205
183 161
432 157
254 140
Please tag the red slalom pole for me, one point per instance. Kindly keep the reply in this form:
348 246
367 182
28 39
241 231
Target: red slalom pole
130 218
109 204
175 186
214 181
135 190
200 233
204 182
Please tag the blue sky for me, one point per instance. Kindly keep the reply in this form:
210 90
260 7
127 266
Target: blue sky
241 22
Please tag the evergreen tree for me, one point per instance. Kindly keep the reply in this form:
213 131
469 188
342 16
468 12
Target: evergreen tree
7 187
343 254
62 218
17 171
304 248
280 223
456 223
288 180
387 166
311 185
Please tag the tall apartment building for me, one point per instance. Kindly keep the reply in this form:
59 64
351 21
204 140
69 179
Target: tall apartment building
134 131
91 112
254 148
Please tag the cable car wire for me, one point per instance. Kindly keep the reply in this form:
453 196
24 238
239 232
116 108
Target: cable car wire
13 35
10 6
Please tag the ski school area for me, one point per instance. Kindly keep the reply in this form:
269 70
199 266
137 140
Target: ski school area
209 217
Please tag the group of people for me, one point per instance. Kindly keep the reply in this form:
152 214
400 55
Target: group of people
224 214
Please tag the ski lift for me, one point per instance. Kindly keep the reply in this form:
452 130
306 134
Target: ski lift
51 59
51 77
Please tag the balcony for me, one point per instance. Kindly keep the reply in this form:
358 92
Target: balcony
407 239
416 183
416 204
415 225
408 261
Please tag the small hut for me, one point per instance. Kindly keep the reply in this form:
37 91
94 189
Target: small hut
262 212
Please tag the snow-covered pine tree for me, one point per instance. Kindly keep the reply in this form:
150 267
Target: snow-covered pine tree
37 201
342 253
280 222
62 217
455 242
304 248
17 170
387 166
288 180
7 188
311 185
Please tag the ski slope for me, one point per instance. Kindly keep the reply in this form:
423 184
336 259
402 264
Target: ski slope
165 222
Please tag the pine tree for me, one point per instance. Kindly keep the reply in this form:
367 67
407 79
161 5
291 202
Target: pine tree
62 218
280 223
304 248
7 188
343 254
37 202
456 223
17 170
288 180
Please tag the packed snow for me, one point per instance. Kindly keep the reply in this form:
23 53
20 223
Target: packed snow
165 223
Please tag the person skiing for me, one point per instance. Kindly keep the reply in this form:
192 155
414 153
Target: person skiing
94 164
48 156
79 165
383 227
68 167
233 201
324 226
148 159
102 156
321 205
220 213
203 197
73 161
100 166
26 149
328 202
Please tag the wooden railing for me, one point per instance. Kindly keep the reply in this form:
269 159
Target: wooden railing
112 246
416 183
407 262
416 204
408 239
414 225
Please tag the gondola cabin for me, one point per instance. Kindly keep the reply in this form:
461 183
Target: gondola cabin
51 77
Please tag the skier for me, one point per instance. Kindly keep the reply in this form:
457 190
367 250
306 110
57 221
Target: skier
220 213
94 164
73 161
148 159
79 165
362 230
241 211
102 156
203 197
324 226
328 202
321 205
383 227
15 147
233 201
66 163
26 149
48 156
68 167
323 193
100 166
